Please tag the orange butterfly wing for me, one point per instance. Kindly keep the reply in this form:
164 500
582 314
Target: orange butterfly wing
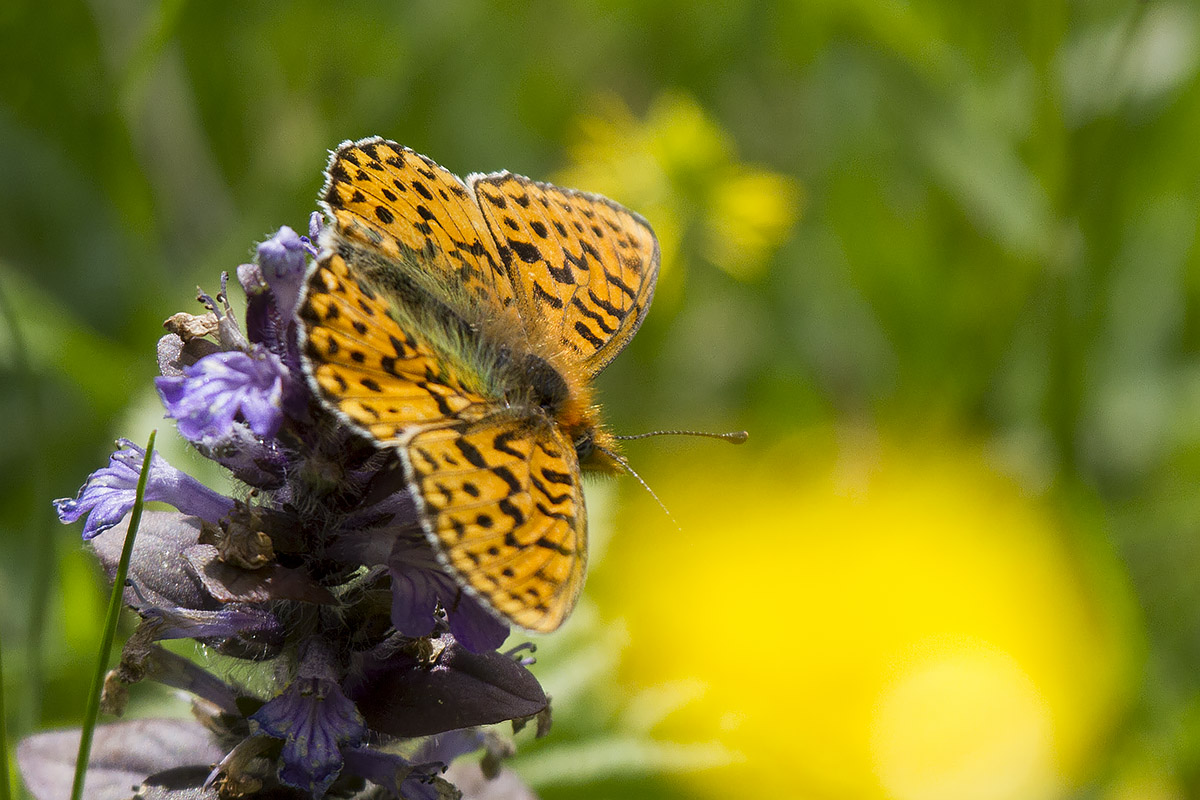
417 214
382 379
579 263
508 514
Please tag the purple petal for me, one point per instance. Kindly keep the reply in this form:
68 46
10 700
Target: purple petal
159 573
445 747
283 260
474 626
315 720
403 697
264 325
253 460
124 754
415 593
109 493
474 785
315 223
229 583
218 388
237 631
174 353
398 775
419 585
251 279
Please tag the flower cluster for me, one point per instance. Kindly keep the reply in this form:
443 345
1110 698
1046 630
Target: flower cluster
382 668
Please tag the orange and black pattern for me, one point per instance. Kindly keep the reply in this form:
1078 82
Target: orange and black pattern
508 512
417 269
388 197
383 379
580 262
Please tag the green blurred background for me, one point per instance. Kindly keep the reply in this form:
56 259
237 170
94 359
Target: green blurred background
937 257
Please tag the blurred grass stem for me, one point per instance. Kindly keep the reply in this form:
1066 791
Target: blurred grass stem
41 542
5 790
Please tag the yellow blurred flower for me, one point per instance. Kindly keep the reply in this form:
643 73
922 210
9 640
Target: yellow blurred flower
680 170
871 621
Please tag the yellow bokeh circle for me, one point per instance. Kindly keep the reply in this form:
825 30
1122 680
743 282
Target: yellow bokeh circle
870 619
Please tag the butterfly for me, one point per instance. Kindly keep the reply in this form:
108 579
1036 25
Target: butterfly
460 323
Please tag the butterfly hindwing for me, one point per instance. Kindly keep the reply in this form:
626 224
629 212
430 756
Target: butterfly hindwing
505 510
581 264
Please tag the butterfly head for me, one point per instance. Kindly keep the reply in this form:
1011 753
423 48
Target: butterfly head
597 451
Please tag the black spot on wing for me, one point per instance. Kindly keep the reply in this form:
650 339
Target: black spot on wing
592 315
586 333
470 453
557 499
502 443
546 297
505 474
527 251
550 544
554 476
516 515
617 281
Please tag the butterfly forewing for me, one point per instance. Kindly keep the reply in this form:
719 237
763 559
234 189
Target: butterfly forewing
415 212
503 499
581 265
383 379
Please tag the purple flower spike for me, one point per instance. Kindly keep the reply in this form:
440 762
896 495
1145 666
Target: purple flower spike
319 581
217 388
283 262
315 720
109 493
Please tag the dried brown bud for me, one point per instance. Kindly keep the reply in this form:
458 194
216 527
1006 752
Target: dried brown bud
191 326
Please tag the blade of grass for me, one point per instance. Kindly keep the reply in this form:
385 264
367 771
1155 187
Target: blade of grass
115 604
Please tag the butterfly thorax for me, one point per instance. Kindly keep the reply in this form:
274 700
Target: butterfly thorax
486 352
536 381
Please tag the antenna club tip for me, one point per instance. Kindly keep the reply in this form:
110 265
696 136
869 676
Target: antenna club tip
738 437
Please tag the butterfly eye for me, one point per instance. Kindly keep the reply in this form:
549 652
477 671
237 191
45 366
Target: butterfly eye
549 387
585 445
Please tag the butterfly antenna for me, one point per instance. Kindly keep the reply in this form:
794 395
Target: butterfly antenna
733 437
625 464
